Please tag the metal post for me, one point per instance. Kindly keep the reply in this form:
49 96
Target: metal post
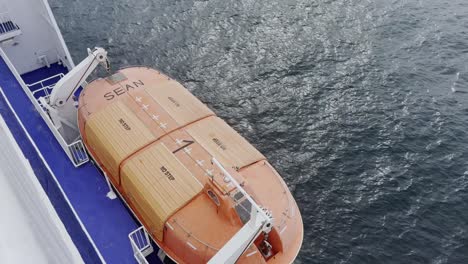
111 194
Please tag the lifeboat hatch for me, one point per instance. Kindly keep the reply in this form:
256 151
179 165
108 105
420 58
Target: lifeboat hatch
268 244
116 78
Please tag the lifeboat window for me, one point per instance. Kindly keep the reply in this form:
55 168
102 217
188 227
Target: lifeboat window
243 210
213 197
238 196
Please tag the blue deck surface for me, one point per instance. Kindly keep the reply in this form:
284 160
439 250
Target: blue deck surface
107 221
42 73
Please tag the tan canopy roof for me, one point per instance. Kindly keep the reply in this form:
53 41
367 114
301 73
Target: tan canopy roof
158 184
178 102
114 133
224 143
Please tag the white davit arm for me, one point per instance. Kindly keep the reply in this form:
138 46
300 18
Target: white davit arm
260 221
63 91
61 106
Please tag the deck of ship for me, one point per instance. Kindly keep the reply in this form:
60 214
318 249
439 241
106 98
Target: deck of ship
101 230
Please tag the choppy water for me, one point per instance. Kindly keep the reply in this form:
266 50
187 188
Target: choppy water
361 105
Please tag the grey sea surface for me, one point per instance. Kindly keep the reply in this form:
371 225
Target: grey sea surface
362 106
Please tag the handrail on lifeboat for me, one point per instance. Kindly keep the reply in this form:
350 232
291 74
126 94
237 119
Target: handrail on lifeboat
261 221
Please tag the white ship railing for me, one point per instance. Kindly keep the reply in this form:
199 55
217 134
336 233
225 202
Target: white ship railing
46 89
141 244
75 150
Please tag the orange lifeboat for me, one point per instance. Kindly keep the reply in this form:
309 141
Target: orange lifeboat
156 143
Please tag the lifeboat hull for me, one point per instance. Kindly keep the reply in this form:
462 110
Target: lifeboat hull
155 141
